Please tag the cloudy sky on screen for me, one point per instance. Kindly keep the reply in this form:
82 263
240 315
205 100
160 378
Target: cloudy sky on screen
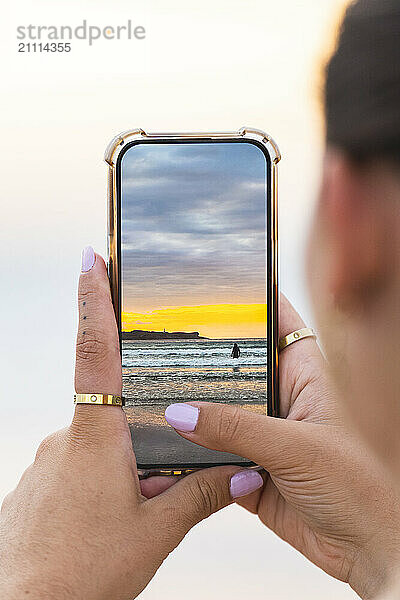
193 225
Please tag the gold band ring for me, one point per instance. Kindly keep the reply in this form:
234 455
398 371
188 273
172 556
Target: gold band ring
109 399
295 336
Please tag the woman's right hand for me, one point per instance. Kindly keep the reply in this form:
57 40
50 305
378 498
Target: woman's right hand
324 495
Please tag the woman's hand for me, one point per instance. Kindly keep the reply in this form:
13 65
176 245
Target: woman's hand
324 494
77 525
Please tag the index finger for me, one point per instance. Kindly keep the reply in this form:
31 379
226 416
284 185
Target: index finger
98 363
297 362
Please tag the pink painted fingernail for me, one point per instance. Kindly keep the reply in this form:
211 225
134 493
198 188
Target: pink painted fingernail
244 483
182 416
88 259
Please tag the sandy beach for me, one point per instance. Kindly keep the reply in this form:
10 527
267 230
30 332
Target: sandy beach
153 437
157 373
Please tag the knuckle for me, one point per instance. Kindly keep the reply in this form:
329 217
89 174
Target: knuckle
228 424
92 345
82 435
85 292
98 430
93 289
205 496
46 445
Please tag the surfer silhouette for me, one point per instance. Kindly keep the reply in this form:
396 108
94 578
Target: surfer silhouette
235 351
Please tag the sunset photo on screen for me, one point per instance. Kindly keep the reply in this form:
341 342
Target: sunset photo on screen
193 253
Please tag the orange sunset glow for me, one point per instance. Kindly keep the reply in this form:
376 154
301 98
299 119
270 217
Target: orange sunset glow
210 320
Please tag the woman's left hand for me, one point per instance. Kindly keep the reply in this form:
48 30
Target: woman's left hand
77 525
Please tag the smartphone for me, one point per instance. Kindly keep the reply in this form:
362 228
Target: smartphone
192 237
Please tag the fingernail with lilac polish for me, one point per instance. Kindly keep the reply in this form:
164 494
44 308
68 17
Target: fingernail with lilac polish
88 258
182 416
244 483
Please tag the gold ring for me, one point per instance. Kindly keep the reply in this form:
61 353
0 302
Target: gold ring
109 399
295 336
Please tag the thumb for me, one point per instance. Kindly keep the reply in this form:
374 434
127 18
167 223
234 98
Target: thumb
197 496
270 442
98 363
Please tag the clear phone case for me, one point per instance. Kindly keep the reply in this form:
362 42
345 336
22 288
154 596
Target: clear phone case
114 252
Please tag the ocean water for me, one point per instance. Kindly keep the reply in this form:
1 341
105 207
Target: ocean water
160 372
192 353
156 371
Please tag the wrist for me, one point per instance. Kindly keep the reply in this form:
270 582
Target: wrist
375 568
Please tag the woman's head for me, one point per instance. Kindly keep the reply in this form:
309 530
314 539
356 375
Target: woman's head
362 84
354 252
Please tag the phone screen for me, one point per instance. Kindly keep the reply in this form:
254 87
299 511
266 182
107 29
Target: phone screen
194 223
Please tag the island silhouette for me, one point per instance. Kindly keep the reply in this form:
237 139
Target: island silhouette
139 334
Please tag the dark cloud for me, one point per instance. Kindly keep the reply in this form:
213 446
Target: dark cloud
193 223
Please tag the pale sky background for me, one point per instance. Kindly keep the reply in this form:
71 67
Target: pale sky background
205 65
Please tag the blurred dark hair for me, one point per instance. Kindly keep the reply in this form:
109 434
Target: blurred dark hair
362 89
